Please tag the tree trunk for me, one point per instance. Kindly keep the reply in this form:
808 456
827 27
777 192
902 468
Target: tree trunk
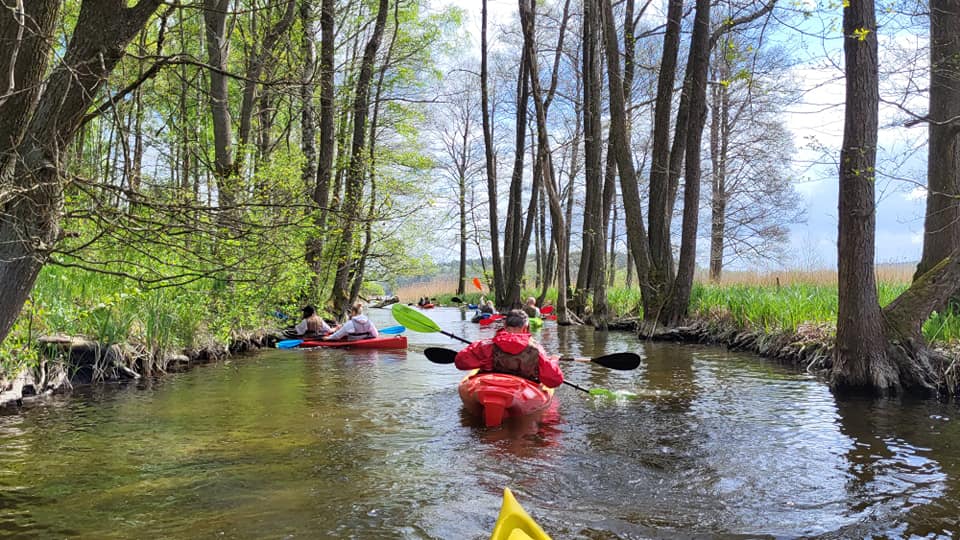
218 51
659 273
39 122
942 223
308 123
592 144
719 137
860 362
353 195
491 165
559 227
620 146
696 88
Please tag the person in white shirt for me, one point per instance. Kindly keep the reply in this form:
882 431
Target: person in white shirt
358 327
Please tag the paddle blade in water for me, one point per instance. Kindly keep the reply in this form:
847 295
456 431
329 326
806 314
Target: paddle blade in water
439 355
413 319
607 394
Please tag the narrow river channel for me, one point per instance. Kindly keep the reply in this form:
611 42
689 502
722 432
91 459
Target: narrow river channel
374 444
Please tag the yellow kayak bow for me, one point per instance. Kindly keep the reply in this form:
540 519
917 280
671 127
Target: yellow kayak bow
514 523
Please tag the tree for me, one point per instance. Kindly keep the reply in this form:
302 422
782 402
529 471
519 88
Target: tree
752 199
356 171
40 114
942 222
456 124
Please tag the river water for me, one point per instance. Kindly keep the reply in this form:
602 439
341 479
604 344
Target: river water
374 444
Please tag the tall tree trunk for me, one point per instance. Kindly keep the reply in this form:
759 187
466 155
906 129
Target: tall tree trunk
340 294
592 145
659 273
942 223
218 50
620 146
698 65
40 118
859 354
544 154
491 165
512 258
308 122
719 131
260 63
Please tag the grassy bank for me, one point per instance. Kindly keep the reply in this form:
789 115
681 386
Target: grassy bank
770 302
112 310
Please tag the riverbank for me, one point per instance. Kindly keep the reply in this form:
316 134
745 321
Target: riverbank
69 361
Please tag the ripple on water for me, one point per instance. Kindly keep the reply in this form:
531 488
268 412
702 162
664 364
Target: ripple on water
345 444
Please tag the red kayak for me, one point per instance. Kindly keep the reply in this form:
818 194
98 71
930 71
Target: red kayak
492 319
497 396
427 306
382 342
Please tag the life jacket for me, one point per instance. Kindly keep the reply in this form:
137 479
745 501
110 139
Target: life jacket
362 329
313 326
526 363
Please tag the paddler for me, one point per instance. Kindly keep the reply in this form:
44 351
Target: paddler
512 351
358 327
311 326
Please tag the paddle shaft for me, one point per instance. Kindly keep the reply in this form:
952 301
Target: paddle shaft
454 336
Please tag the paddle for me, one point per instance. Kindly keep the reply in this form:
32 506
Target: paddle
390 331
439 355
418 322
623 361
476 283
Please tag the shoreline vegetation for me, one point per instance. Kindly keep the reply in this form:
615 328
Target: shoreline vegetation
789 317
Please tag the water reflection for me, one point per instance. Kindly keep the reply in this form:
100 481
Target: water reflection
375 444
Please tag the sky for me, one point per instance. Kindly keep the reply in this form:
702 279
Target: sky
817 126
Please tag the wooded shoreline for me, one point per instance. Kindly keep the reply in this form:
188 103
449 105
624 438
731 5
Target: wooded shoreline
77 361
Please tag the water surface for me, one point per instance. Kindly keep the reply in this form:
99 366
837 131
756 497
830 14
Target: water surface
374 444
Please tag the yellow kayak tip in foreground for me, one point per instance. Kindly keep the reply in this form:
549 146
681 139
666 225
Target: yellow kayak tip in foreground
514 523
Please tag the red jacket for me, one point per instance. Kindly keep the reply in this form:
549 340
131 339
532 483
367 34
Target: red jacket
479 355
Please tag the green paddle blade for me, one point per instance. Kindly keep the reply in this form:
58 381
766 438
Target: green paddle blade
536 323
413 319
617 394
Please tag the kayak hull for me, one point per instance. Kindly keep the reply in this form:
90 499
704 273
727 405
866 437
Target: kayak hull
495 397
514 523
382 342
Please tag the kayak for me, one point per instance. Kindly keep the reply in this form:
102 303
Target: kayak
487 321
496 396
426 306
514 523
381 342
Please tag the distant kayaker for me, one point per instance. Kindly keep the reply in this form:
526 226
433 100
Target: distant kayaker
512 351
531 308
358 327
311 325
486 306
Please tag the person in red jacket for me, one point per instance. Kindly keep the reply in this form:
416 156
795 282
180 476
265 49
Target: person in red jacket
512 351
